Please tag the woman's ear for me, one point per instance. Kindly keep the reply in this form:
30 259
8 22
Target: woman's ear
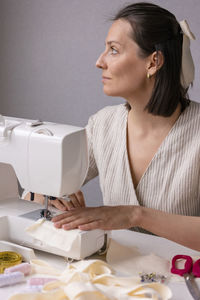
155 62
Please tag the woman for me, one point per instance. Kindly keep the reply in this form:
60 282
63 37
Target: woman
146 152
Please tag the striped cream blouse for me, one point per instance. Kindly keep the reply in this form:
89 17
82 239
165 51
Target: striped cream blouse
171 182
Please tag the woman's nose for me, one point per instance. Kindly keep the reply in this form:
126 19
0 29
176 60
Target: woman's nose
100 63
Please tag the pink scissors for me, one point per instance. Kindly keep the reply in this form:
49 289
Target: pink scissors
189 271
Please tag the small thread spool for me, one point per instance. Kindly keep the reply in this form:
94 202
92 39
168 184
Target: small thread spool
25 268
32 289
10 279
9 259
40 281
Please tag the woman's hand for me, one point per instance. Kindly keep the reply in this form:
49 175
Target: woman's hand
104 217
75 200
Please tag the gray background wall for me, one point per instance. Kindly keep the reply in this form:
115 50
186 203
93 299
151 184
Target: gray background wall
48 50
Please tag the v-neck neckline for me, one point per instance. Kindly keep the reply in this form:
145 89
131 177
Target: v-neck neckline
167 137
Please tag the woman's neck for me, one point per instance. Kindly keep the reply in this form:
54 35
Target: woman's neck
145 123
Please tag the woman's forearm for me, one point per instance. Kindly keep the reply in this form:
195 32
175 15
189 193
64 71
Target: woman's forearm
184 230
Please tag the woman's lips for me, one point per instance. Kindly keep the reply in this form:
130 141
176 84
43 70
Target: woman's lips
105 79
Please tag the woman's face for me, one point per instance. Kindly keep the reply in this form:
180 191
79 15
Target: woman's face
124 72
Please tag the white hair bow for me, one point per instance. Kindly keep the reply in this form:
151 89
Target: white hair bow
187 76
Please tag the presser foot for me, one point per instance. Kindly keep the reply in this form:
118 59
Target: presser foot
45 213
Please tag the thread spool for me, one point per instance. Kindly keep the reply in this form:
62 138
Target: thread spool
32 289
10 279
40 281
9 259
25 268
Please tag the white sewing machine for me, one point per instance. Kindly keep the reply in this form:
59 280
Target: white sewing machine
49 159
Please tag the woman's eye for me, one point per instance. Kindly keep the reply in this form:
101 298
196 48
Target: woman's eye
113 51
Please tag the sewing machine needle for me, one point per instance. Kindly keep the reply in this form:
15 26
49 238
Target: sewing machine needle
45 206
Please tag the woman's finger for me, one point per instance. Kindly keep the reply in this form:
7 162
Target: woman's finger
74 201
65 221
68 203
81 222
60 217
80 197
62 204
58 204
77 199
90 226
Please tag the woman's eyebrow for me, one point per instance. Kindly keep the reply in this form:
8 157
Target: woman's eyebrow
110 42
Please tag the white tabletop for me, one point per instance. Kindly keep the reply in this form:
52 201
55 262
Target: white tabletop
164 248
145 243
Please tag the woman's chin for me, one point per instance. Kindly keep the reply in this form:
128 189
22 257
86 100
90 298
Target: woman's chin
110 92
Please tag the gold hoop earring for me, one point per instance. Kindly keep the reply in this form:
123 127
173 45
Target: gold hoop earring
148 75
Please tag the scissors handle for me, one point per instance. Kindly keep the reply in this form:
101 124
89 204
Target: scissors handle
196 268
187 267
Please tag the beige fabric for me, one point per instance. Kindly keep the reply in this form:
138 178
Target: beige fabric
41 267
93 279
187 62
187 76
171 181
45 231
130 261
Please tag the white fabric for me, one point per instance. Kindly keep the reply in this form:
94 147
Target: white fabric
187 62
171 181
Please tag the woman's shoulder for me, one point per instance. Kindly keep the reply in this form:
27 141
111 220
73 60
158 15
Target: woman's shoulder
192 112
195 104
190 120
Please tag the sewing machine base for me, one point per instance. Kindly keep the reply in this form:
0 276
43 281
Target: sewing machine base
17 218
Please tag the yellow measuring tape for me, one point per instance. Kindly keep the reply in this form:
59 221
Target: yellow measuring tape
9 259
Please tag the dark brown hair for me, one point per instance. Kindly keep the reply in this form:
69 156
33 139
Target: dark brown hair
156 29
